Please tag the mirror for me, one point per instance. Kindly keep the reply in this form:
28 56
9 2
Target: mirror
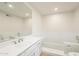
15 20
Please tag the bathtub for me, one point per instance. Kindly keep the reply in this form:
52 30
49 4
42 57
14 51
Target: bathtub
54 49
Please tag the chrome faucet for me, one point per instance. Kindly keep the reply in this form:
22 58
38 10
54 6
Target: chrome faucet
20 40
18 34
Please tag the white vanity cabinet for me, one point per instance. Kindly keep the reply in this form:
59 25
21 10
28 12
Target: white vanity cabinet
30 46
33 50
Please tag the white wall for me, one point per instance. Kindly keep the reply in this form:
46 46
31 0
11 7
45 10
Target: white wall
61 27
76 21
10 25
27 27
58 22
37 23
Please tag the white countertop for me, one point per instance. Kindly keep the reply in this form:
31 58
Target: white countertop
16 49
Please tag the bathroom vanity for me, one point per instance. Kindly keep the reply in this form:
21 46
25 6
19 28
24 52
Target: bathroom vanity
24 46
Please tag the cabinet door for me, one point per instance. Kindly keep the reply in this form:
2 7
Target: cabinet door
34 50
38 49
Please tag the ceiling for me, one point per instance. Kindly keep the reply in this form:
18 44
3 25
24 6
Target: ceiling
18 9
46 8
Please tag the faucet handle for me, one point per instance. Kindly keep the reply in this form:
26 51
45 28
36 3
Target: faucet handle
21 39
